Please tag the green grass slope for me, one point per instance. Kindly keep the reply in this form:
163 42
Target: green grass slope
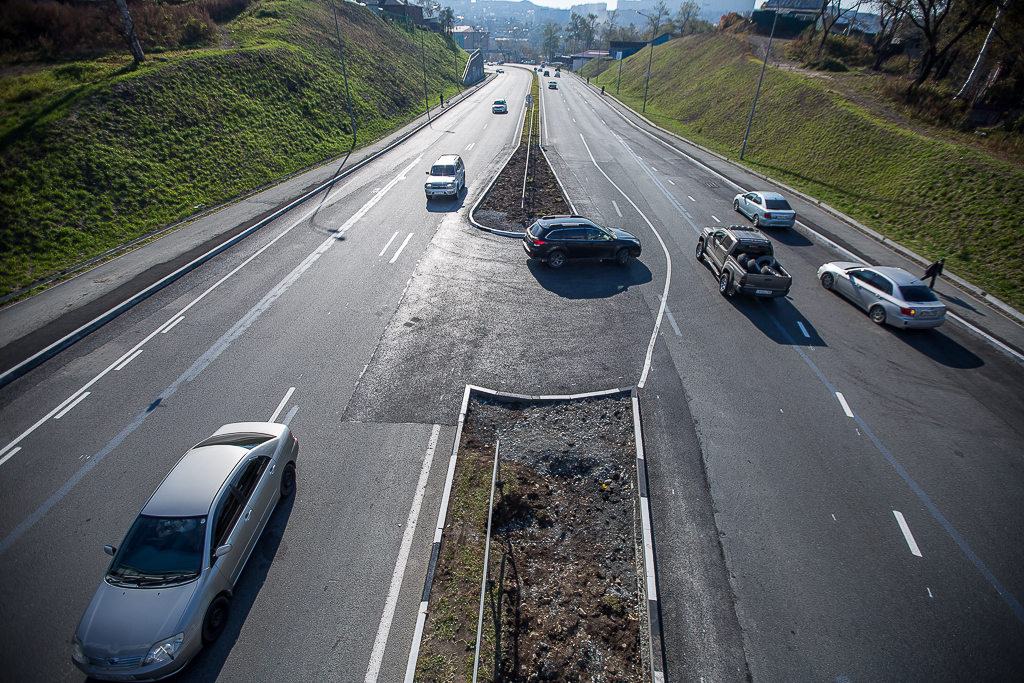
95 153
934 196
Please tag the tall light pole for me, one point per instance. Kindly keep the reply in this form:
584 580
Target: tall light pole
654 30
351 117
426 97
758 91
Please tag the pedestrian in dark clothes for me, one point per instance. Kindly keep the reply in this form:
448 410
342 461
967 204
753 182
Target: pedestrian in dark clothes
933 271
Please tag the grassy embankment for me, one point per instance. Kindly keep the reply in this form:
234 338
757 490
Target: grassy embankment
927 191
95 153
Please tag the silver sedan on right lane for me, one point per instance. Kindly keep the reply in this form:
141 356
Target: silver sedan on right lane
889 295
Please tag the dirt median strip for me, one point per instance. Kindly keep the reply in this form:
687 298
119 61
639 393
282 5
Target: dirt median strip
570 594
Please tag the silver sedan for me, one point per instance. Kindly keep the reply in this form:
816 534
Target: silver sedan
167 591
765 209
889 295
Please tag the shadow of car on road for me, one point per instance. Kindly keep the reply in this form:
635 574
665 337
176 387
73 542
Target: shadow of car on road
446 205
937 346
589 278
208 663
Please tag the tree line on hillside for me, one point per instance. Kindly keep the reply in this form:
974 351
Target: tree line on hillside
76 28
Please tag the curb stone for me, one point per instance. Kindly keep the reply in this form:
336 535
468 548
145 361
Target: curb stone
655 652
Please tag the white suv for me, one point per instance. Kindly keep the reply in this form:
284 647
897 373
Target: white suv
447 177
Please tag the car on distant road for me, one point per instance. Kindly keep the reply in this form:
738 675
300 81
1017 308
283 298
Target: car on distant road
447 176
499 107
765 209
556 239
889 295
500 71
167 592
552 85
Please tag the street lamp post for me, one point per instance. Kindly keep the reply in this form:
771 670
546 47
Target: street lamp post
758 91
650 58
351 117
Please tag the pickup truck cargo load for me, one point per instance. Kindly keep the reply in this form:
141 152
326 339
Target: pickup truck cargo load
743 258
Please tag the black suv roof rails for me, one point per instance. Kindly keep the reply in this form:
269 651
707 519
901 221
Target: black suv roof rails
562 215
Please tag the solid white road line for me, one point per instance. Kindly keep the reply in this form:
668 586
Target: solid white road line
672 321
379 643
668 265
846 406
616 208
171 322
803 329
72 405
388 244
171 326
399 252
282 404
906 534
129 359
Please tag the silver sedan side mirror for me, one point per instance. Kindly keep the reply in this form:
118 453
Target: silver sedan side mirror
109 550
222 550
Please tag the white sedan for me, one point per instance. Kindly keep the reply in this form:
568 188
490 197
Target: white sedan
499 107
889 295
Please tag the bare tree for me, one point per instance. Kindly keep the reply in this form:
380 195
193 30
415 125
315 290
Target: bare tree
943 24
976 69
129 34
609 28
446 18
892 23
589 30
549 39
656 19
831 17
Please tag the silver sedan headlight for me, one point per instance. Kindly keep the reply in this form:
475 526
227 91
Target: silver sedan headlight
164 650
78 651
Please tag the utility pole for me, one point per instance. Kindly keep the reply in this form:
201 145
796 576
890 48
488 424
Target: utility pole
341 51
426 96
757 92
654 30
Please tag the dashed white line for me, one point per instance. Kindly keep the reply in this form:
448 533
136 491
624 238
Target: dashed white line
929 592
282 404
690 198
574 120
906 534
470 146
71 405
399 252
291 413
717 219
616 208
803 329
171 326
670 181
388 244
602 121
129 359
846 406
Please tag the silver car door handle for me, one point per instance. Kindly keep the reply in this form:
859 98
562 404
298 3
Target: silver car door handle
272 468
248 515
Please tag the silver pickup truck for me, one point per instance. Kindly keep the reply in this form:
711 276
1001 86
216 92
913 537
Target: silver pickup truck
743 258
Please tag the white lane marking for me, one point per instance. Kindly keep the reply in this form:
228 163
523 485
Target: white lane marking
1007 596
616 208
929 592
834 518
717 219
803 329
668 263
282 404
128 360
654 169
203 361
399 252
377 655
291 413
670 181
690 198
171 321
388 244
172 325
73 404
842 402
470 146
906 533
602 121
485 126
13 451
672 321
574 120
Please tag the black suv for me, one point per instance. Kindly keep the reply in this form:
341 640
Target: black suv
557 238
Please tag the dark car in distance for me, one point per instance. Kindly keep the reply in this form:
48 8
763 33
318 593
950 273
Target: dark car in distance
556 239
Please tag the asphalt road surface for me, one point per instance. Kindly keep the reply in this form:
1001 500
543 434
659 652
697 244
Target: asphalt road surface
833 501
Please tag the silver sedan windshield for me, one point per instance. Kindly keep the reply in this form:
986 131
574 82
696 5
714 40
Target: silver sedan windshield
160 551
